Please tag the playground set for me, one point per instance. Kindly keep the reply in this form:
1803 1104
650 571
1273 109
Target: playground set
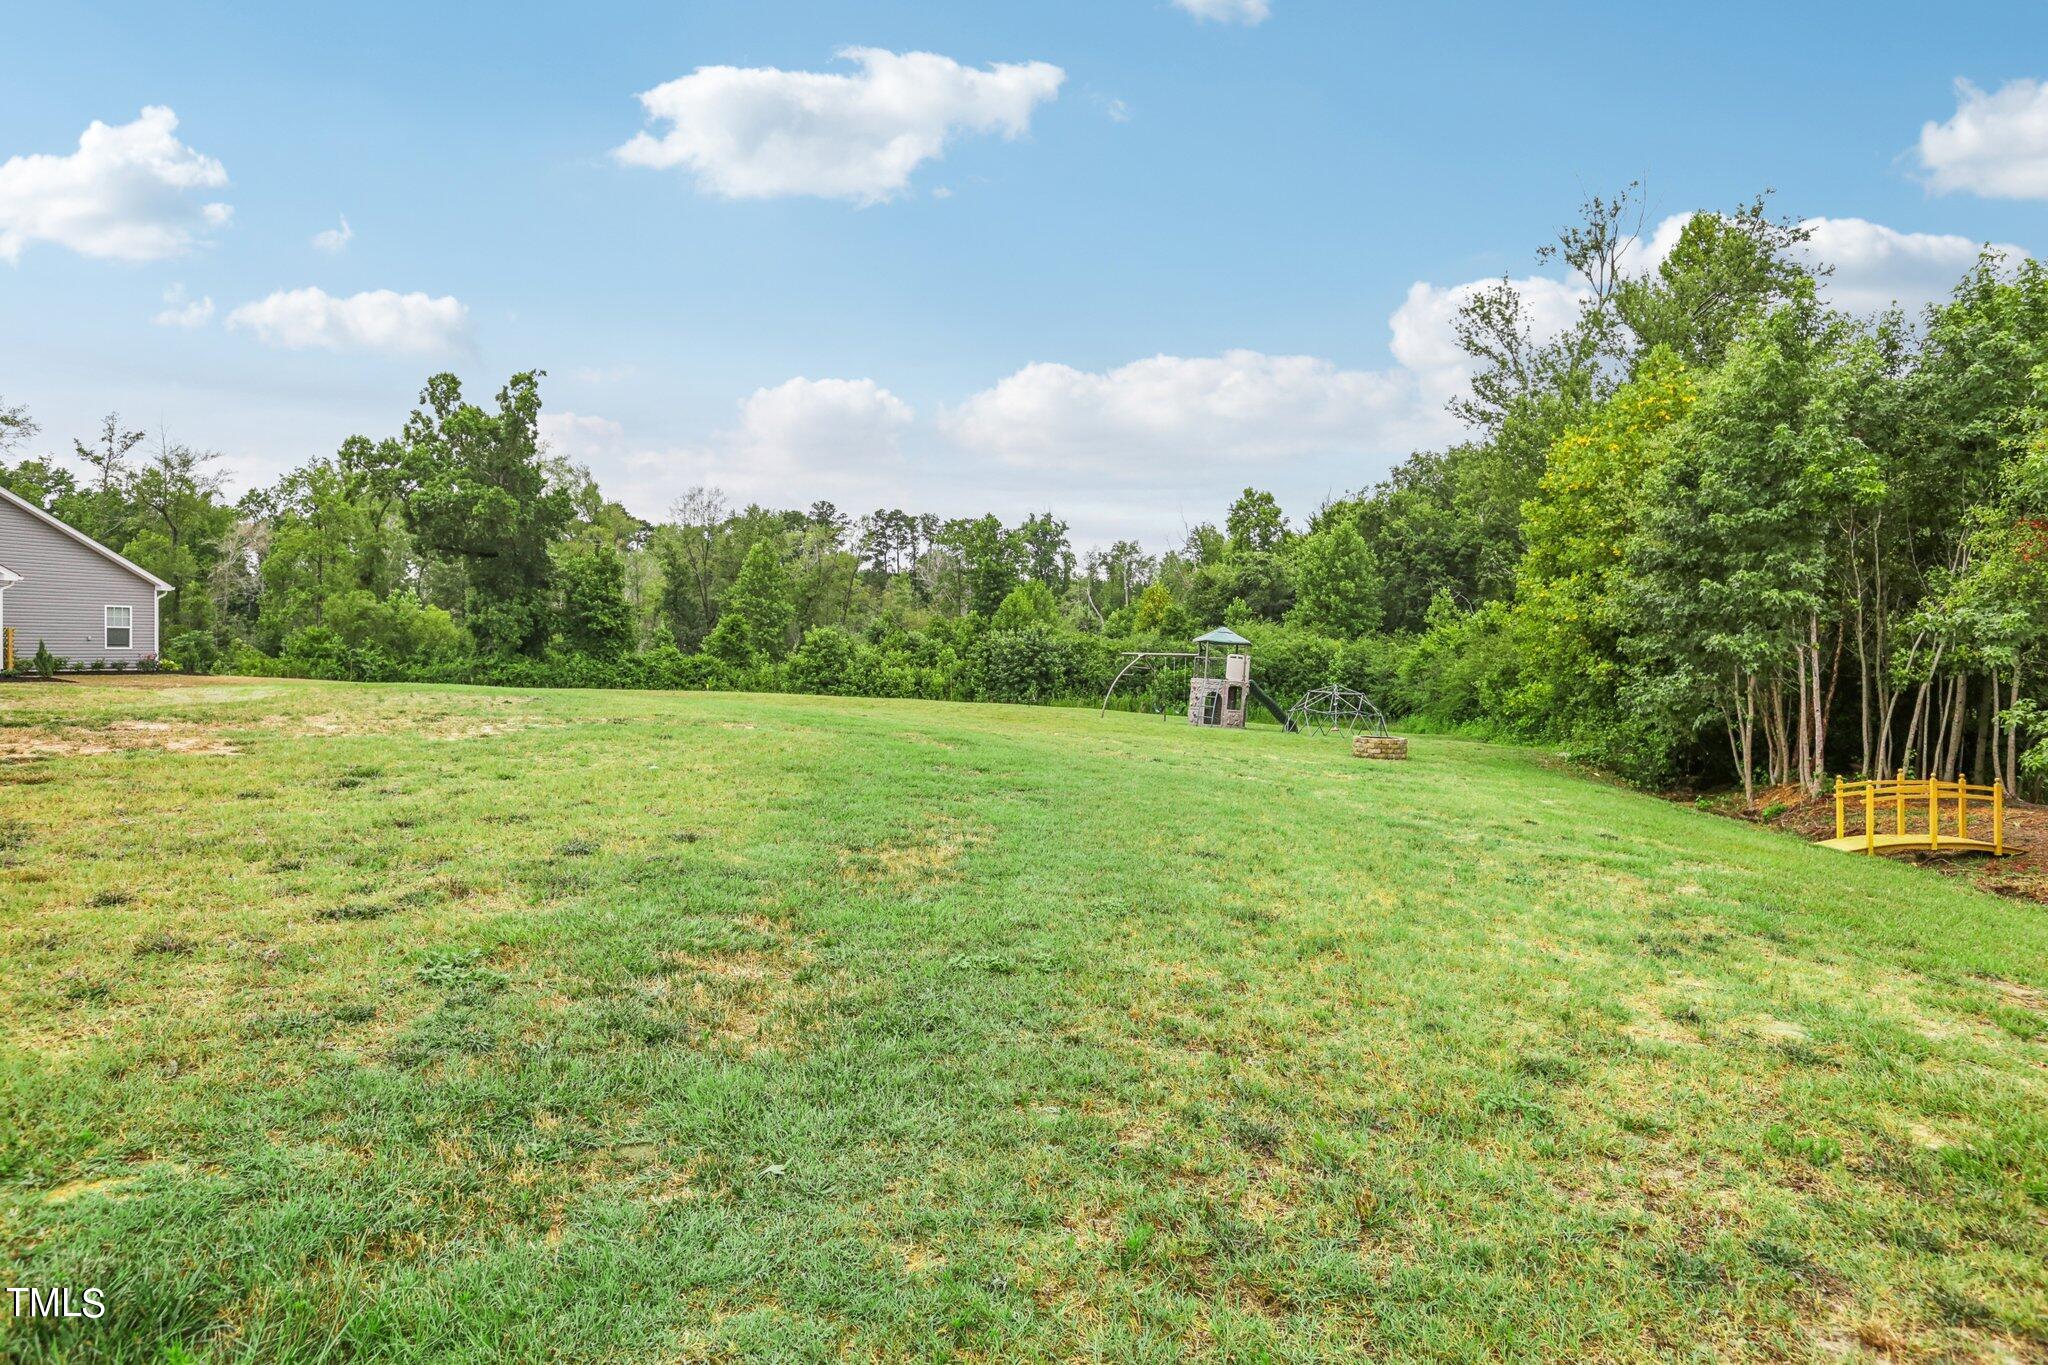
1338 711
1220 687
1221 684
1926 801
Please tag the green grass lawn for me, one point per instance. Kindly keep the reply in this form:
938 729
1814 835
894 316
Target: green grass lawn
352 1022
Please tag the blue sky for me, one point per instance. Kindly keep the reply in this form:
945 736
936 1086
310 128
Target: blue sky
1178 264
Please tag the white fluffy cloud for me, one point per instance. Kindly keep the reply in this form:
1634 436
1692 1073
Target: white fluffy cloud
801 440
182 310
1228 11
580 437
761 132
1876 266
808 422
1172 417
335 239
1181 413
375 320
1121 452
1994 145
126 194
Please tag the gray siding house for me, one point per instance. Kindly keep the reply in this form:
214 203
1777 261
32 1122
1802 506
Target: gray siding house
62 588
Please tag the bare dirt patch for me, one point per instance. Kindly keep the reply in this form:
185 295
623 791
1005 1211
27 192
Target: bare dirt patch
440 726
177 737
748 999
741 966
105 1186
237 686
2026 997
927 855
1927 1137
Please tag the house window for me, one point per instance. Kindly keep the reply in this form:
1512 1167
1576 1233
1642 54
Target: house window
120 627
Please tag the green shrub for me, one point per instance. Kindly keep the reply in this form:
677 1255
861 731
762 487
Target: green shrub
831 662
244 660
193 651
1372 664
1034 664
400 627
313 652
1462 669
673 668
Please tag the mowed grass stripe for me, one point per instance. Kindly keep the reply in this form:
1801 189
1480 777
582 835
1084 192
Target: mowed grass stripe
442 1023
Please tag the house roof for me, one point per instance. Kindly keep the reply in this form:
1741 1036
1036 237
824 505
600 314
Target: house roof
82 538
1222 635
7 576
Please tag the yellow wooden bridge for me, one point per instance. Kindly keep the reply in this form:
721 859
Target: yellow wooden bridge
1941 809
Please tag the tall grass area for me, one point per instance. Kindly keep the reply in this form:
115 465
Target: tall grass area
433 1023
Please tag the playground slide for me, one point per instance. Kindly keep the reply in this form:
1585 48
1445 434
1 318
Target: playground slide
1260 695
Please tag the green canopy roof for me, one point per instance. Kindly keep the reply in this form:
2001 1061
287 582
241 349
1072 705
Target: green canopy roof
1222 635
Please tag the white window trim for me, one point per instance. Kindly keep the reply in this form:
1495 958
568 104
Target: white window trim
107 626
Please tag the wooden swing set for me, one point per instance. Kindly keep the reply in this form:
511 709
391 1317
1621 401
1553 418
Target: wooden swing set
1926 800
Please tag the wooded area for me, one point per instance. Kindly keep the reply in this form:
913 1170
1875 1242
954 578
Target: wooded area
1715 531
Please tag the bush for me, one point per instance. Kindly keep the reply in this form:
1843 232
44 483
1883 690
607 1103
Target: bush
831 662
1035 664
45 663
399 627
1372 664
193 651
313 652
1462 669
244 660
697 672
947 659
318 652
920 666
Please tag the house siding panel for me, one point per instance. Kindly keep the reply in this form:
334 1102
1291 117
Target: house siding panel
64 592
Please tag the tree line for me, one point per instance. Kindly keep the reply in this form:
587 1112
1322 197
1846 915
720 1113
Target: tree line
1713 531
1718 528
